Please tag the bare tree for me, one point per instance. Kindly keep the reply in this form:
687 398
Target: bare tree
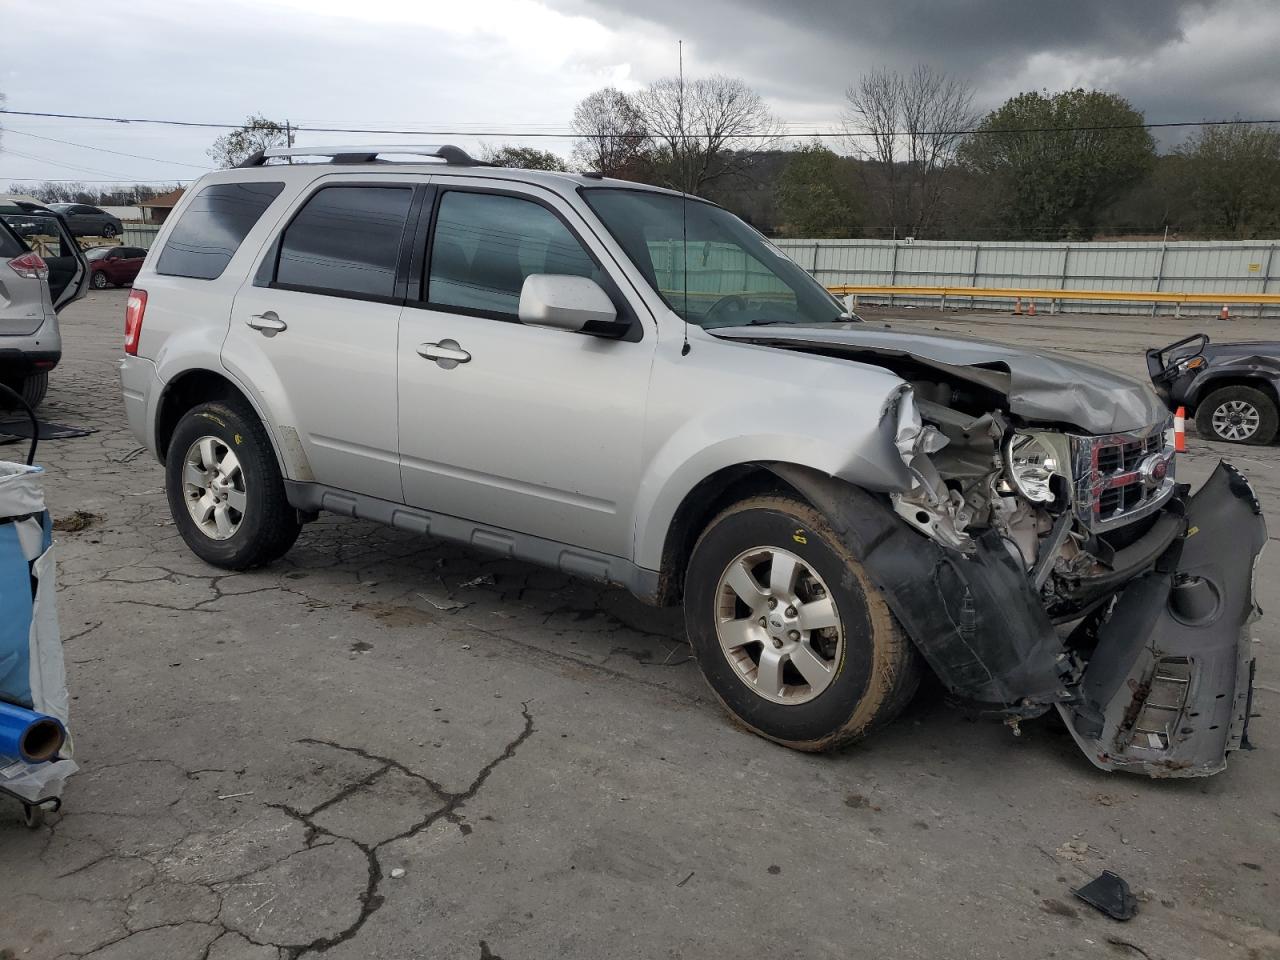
258 133
703 129
614 140
909 126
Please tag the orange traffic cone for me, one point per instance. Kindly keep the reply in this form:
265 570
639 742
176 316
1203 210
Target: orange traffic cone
1225 314
1017 307
1180 428
1031 309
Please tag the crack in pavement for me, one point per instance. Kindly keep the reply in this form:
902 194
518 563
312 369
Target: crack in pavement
371 900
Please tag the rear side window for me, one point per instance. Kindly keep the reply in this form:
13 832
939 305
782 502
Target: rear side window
346 241
212 228
486 244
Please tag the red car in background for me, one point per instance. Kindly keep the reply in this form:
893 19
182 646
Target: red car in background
114 266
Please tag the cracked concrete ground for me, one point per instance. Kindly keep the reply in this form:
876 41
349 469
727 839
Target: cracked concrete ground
317 760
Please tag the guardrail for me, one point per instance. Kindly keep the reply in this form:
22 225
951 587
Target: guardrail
1054 296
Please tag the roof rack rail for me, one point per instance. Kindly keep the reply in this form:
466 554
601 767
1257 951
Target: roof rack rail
451 155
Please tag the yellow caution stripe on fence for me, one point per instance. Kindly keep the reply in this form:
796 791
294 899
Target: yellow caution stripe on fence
1010 293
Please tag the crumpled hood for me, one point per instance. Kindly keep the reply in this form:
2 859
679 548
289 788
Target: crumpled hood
1040 386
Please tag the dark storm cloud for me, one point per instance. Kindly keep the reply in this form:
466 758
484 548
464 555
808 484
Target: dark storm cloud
809 51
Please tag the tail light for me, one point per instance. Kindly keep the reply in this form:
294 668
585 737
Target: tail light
31 266
133 312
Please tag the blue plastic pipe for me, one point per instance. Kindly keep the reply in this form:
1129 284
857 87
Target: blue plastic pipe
31 737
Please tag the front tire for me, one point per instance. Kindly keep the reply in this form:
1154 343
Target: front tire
1238 414
109 231
791 635
225 490
100 280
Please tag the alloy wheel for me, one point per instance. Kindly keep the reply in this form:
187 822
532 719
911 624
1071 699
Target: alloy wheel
213 487
778 625
1236 420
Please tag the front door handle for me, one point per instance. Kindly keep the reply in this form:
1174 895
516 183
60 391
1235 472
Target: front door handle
268 324
446 353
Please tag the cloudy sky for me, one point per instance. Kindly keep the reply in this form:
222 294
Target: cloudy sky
519 66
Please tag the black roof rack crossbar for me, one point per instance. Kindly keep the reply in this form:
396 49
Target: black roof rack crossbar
451 155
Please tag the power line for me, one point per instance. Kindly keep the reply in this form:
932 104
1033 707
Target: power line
569 134
85 146
57 163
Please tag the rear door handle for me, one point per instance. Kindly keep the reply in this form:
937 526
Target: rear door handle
446 353
269 324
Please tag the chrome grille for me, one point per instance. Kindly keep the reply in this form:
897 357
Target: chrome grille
1116 478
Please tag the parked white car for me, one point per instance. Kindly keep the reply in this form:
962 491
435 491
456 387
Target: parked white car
632 385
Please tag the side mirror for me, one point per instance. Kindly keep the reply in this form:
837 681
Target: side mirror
569 303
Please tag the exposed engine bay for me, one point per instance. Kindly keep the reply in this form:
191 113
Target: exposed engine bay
1070 508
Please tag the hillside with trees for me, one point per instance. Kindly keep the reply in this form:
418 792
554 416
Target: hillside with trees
912 158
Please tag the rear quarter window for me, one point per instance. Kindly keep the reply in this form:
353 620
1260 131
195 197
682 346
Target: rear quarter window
212 228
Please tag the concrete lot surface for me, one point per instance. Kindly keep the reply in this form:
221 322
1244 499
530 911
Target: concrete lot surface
389 747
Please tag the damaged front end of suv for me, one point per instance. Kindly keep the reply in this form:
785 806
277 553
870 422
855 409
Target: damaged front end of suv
1044 556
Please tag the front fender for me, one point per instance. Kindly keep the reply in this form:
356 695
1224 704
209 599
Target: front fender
1213 378
854 440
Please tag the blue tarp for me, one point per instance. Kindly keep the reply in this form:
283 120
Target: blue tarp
31 667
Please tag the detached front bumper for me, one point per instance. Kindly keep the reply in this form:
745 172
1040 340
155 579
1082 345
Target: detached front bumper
1168 689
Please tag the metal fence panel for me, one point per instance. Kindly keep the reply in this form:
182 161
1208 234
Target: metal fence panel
139 234
1198 266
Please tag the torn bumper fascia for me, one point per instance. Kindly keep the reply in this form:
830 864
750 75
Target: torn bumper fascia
972 614
1168 689
982 628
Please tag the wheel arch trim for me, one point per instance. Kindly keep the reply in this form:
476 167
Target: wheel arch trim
217 384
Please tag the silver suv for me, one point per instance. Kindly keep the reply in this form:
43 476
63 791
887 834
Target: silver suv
42 270
633 385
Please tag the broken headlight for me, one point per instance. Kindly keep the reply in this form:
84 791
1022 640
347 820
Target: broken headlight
1031 461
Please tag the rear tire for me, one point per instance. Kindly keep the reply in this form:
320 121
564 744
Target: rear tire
225 490
1238 414
31 388
109 231
837 683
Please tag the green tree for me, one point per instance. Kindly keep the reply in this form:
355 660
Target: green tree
1231 177
815 195
523 158
1053 161
258 133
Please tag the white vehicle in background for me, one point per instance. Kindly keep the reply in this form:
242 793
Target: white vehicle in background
633 385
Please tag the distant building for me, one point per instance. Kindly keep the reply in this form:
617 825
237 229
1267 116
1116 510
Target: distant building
124 213
157 209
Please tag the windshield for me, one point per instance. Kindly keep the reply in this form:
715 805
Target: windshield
97 253
734 276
